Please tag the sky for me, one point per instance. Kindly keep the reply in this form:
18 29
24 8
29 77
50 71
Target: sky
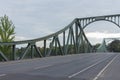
37 18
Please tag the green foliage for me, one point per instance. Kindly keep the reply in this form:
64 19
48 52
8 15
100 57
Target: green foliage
114 46
6 34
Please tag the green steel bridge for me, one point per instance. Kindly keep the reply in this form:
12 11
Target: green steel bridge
71 39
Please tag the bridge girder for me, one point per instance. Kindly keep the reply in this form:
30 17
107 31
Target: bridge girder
115 19
69 40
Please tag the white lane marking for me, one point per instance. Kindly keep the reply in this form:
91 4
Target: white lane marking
1 75
42 67
75 74
100 73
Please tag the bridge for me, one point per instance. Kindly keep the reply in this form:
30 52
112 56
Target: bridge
59 56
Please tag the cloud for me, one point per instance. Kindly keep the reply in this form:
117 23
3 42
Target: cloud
36 18
20 38
100 35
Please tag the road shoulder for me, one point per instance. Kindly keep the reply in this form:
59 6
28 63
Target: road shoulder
112 72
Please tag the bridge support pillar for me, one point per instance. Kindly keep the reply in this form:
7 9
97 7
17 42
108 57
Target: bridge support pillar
32 49
44 48
13 52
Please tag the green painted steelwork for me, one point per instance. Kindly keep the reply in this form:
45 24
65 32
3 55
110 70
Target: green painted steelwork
102 47
72 41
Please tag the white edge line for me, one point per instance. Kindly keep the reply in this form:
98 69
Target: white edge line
75 74
105 68
1 75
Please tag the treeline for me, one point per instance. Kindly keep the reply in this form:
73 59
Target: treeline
54 52
114 46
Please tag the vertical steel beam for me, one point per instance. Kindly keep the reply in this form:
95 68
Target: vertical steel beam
80 41
32 51
74 42
44 48
89 20
64 42
83 22
70 36
51 47
114 18
13 52
66 46
71 40
76 34
56 45
118 20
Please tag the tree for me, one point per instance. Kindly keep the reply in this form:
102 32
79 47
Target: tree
6 34
114 46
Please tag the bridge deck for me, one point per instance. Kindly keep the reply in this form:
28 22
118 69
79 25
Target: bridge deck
99 66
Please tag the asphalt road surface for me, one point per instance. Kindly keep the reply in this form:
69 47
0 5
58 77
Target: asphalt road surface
89 66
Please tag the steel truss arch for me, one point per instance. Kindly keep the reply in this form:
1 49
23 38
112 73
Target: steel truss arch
69 40
115 19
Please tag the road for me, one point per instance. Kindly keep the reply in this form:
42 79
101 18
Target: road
89 66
